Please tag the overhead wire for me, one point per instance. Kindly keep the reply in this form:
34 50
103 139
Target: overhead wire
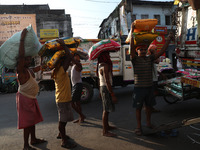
89 17
90 27
89 10
86 24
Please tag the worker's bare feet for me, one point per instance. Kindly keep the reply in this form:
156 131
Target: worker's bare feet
109 134
28 148
37 141
82 119
76 121
59 137
112 128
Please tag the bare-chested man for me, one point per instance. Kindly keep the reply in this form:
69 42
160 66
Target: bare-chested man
27 106
104 71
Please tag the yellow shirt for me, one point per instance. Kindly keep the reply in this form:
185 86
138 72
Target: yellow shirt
62 85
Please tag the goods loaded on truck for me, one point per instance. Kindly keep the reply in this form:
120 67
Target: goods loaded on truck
188 53
8 80
122 69
122 66
186 86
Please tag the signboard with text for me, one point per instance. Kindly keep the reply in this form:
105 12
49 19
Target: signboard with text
49 33
160 40
189 81
12 23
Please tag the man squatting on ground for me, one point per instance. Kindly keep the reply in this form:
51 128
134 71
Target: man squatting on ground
143 81
77 87
104 72
27 106
63 95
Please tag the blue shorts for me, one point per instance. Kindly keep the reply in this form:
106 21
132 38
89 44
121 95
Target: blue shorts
143 95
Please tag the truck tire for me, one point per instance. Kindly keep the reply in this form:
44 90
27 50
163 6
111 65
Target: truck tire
87 93
170 99
14 86
5 88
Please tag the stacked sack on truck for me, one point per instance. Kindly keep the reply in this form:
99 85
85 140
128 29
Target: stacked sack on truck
9 51
82 53
52 51
142 33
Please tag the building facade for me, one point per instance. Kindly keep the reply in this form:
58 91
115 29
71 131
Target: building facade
46 18
119 21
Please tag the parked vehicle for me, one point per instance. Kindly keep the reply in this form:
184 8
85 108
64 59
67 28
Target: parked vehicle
8 81
122 70
188 51
188 32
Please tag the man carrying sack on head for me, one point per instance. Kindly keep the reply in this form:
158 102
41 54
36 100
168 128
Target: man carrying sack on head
143 80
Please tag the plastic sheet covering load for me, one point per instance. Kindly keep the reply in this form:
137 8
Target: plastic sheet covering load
104 45
9 51
143 31
53 45
82 53
1 69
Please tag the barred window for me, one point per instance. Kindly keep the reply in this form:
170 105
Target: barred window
144 16
158 18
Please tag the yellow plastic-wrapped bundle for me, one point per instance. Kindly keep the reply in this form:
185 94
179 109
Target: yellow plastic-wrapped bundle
52 62
53 45
73 50
144 38
143 31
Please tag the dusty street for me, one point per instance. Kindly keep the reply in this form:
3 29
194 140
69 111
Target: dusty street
88 135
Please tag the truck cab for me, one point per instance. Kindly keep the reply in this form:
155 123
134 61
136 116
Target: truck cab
188 30
8 81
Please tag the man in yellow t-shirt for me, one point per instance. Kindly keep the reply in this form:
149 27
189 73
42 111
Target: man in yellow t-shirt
63 95
62 84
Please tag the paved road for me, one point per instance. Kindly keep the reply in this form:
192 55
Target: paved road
88 135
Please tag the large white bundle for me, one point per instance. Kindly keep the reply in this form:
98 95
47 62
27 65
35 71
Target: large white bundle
9 51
